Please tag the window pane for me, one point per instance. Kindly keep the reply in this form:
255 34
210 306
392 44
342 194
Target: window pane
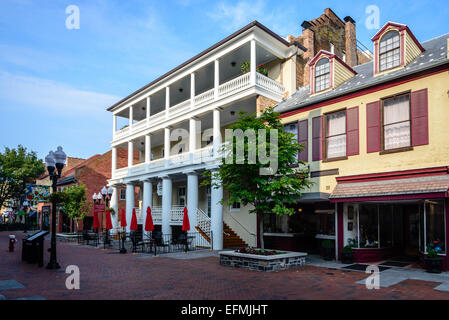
368 226
396 109
386 225
397 122
336 123
397 135
336 146
293 128
435 237
322 75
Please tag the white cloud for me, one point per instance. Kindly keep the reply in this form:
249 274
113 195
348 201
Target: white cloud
51 96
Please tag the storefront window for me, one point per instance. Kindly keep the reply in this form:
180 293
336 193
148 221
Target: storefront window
326 223
434 221
386 225
369 235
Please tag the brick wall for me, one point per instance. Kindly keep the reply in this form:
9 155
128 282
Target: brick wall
264 102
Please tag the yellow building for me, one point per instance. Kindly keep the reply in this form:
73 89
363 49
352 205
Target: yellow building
377 149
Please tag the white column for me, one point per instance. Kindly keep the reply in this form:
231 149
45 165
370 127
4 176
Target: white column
216 77
129 204
130 153
167 99
217 217
192 89
192 199
147 148
114 205
253 62
148 108
166 143
131 116
217 132
192 134
147 201
114 125
114 161
166 204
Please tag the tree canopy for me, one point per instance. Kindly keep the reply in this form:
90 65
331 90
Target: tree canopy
73 202
267 193
17 168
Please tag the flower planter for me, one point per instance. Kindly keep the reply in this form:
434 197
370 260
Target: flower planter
433 265
266 263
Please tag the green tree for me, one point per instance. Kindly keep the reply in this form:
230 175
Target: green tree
267 193
17 168
73 202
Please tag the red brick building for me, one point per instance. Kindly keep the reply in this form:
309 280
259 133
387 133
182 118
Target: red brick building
93 173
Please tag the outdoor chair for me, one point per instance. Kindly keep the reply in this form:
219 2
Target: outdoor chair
136 239
159 241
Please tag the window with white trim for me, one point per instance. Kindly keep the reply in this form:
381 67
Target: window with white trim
235 206
389 51
322 75
122 194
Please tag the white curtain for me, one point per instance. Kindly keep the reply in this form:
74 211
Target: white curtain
397 122
336 135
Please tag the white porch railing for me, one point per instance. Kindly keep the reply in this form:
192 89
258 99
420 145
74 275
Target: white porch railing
158 163
120 173
233 85
204 97
203 155
177 214
157 118
122 132
269 84
139 216
137 169
203 221
179 158
180 107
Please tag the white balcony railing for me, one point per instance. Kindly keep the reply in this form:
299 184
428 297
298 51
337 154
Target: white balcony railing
203 155
122 132
269 84
120 173
157 118
204 97
137 169
139 125
176 217
180 107
179 158
177 214
234 85
156 214
203 221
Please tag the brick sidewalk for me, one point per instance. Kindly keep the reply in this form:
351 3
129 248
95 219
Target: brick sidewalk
107 275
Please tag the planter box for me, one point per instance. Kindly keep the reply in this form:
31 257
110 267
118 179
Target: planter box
262 263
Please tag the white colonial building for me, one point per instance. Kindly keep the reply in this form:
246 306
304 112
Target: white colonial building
174 128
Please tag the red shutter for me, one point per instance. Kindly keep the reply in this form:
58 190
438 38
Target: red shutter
317 141
303 135
373 127
420 126
352 131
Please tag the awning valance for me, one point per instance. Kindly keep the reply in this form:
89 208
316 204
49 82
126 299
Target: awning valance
391 189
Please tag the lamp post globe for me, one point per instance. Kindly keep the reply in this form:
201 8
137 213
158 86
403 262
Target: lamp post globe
104 192
54 160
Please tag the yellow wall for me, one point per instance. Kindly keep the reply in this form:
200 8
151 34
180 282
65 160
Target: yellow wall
436 153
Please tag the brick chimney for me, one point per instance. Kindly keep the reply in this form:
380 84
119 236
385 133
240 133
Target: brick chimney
350 42
308 37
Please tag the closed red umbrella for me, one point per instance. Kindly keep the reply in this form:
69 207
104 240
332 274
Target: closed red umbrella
108 220
96 224
149 226
133 226
185 221
123 219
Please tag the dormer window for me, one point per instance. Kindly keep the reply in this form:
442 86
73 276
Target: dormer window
322 75
389 51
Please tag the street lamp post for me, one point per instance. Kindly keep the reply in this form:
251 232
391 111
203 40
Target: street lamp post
54 160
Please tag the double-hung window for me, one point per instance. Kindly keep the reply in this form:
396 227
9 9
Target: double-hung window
335 144
389 51
293 128
396 122
322 75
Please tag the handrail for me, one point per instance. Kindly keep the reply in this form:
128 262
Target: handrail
249 232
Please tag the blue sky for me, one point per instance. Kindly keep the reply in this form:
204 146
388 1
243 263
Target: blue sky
56 83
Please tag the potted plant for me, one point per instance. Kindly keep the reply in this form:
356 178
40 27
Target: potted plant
433 262
347 255
328 249
246 67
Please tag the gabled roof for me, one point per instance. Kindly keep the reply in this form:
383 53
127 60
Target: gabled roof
399 26
82 164
330 56
435 54
255 23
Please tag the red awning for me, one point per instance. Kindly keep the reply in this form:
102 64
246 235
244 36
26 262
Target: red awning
392 189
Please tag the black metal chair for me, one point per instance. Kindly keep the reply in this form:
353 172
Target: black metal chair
136 239
159 241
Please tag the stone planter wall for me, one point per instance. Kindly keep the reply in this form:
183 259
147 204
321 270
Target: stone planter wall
262 263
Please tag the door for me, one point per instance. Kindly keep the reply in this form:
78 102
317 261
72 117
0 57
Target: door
182 196
411 230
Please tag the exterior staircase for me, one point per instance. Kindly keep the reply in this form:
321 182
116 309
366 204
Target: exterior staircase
231 239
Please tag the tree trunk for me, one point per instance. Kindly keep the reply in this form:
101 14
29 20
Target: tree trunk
260 214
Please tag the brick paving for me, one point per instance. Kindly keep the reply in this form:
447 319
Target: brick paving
108 275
